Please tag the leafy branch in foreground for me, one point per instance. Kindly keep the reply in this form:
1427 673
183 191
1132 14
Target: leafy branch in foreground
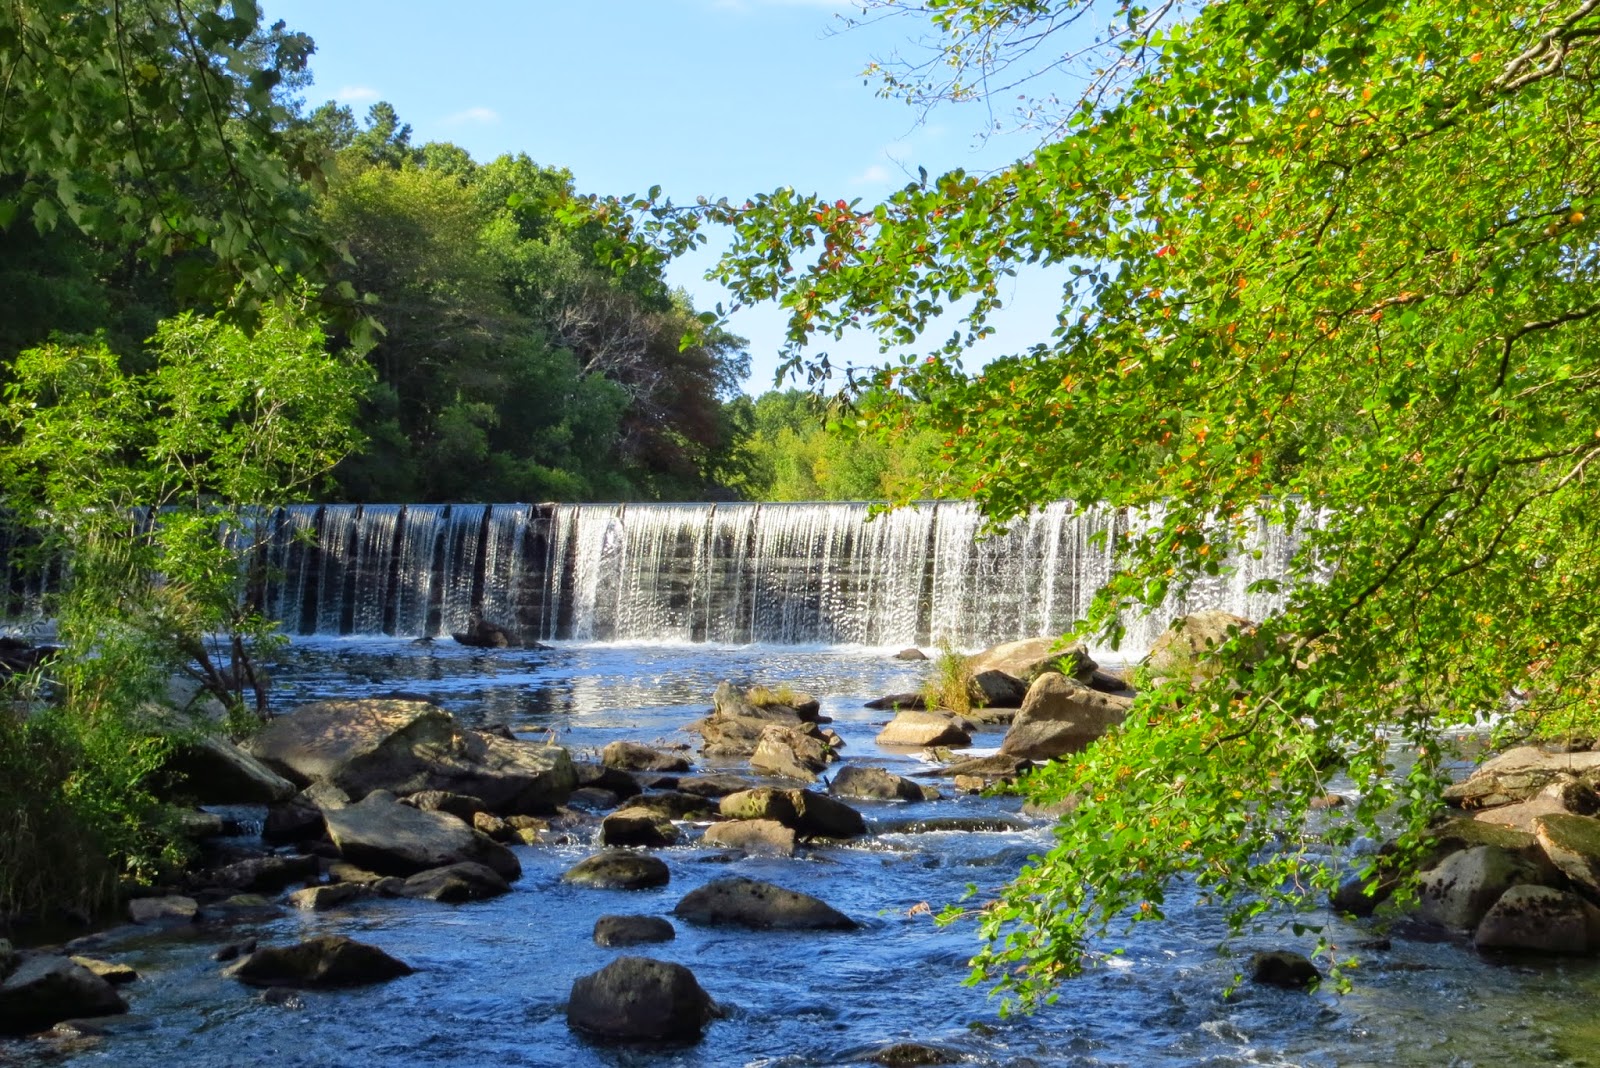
1328 266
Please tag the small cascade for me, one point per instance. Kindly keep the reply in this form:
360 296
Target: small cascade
807 573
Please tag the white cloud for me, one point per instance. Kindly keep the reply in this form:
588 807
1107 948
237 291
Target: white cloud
479 115
356 94
873 175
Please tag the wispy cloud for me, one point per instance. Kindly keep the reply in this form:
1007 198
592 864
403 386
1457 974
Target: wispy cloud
478 115
356 94
876 174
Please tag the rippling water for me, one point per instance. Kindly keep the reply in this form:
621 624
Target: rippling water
492 977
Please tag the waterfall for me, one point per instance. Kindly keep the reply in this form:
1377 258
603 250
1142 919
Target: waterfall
806 573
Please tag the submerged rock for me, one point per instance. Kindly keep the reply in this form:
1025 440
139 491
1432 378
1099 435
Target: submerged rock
748 903
640 999
619 869
325 961
612 930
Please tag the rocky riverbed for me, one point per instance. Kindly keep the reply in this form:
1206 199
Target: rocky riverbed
491 977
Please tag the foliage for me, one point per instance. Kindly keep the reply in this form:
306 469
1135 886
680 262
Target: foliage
950 685
158 128
1334 264
781 694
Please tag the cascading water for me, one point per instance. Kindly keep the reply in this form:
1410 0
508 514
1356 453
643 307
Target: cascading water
792 574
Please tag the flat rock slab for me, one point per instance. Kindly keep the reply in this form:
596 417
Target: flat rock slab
614 930
619 869
759 837
45 990
1518 774
763 906
912 729
637 999
384 836
326 961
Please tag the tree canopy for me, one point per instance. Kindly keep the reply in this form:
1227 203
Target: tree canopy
1332 263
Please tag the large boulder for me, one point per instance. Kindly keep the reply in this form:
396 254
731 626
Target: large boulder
739 718
765 703
456 883
1061 716
916 730
1542 919
790 753
1573 845
410 746
1029 658
1520 773
44 990
214 771
1464 886
387 837
639 999
811 814
876 784
996 689
749 903
324 961
1181 650
631 756
618 869
638 826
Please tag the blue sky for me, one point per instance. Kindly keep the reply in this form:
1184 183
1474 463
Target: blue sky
714 97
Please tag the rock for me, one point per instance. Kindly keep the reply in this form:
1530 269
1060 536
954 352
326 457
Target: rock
494 827
267 874
242 908
914 1055
172 909
214 771
674 805
913 729
1465 885
199 825
234 950
1029 658
1520 773
1179 651
637 827
1541 919
394 839
788 752
327 896
111 972
614 930
738 719
1455 835
342 871
631 756
482 634
639 999
855 780
618 869
463 807
1573 845
1520 815
455 883
970 784
713 786
811 814
1109 682
1061 716
593 799
761 837
599 776
44 990
998 689
408 747
761 701
324 961
749 903
1283 968
294 820
911 654
990 768
899 701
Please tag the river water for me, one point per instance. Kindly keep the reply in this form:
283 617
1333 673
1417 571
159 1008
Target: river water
492 977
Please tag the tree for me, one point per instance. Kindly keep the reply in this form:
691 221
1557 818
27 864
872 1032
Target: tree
1334 264
157 128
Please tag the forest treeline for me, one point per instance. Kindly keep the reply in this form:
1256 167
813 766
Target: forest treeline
524 347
